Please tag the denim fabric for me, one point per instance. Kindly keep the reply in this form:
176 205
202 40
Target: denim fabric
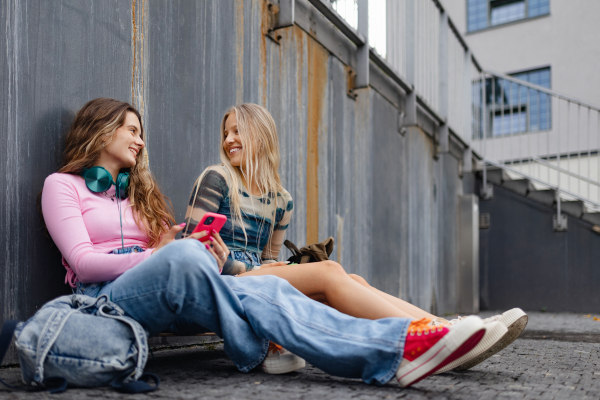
92 289
247 257
180 288
87 341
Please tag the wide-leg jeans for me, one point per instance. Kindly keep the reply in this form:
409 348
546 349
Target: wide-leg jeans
179 288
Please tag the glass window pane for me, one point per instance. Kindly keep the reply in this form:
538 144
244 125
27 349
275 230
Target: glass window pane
507 12
476 14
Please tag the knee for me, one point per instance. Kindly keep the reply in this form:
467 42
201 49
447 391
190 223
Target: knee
359 279
333 269
184 255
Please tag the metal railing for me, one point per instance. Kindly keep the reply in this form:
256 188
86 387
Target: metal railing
538 134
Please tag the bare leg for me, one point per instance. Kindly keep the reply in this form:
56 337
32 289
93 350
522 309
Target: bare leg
327 281
408 308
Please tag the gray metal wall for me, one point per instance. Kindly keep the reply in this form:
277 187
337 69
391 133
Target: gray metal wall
389 200
524 263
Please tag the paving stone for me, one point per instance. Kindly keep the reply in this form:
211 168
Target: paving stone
531 369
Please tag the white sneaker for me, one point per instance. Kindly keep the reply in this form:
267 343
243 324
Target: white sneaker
514 320
281 361
494 332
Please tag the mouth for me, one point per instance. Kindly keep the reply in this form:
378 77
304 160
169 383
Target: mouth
134 151
234 150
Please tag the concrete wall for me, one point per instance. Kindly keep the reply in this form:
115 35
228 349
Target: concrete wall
524 263
386 198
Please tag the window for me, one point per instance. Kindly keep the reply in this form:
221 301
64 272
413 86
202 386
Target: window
483 14
516 108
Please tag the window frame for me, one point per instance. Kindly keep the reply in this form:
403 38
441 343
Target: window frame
489 15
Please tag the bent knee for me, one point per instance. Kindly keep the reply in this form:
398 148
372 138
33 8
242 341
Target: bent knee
333 268
359 279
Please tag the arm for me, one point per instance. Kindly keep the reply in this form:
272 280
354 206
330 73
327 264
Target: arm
208 193
273 246
64 220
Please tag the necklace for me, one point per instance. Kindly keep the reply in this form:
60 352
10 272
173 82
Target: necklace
110 197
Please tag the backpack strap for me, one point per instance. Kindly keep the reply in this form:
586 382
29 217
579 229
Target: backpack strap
292 247
53 385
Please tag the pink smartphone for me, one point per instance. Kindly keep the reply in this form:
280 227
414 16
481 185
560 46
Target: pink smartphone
209 222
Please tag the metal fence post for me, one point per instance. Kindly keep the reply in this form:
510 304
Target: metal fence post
362 55
286 14
444 144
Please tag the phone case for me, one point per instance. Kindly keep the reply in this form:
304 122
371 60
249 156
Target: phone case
209 222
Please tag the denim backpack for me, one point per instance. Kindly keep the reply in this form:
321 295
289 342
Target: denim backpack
80 340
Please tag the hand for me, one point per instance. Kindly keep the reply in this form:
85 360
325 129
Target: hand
275 264
169 236
215 245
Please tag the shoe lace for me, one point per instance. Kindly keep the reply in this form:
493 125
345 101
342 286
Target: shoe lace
419 325
274 348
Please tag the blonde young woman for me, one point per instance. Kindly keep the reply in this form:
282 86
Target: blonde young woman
246 188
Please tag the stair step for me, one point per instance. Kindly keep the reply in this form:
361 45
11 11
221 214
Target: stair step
592 218
497 176
575 208
546 196
521 186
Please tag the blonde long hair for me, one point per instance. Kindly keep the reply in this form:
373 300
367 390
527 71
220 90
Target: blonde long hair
93 129
260 159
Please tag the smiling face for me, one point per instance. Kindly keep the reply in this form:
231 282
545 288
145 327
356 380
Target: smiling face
125 146
232 143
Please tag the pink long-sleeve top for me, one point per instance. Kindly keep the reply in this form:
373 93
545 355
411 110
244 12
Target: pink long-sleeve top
85 228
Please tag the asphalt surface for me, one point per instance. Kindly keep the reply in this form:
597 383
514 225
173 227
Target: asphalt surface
557 357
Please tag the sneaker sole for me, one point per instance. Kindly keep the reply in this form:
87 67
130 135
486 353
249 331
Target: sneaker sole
515 321
283 367
459 341
494 332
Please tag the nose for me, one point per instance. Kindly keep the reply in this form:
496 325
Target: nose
140 142
229 139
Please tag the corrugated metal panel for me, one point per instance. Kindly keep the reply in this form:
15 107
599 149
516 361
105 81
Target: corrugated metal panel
184 63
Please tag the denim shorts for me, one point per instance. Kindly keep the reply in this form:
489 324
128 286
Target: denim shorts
92 289
247 257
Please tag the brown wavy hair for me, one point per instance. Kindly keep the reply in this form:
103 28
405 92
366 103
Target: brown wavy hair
91 131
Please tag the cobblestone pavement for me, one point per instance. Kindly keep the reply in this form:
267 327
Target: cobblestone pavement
546 369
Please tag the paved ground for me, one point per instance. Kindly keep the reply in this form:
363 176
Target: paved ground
561 361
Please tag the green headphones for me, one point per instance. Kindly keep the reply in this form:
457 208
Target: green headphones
98 180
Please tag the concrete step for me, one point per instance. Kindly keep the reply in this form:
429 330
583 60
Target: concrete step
574 208
592 218
546 196
497 176
521 186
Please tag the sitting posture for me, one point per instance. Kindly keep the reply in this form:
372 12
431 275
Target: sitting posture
247 189
112 225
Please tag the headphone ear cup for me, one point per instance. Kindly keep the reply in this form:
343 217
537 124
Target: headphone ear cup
97 179
122 185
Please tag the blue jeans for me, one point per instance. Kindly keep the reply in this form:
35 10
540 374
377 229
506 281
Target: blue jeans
179 288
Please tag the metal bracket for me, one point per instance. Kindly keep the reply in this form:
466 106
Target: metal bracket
351 83
486 192
401 128
559 223
285 15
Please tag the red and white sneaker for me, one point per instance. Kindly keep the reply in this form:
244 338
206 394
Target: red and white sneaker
280 361
430 348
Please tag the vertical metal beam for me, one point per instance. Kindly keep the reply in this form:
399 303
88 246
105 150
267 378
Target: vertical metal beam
362 55
444 144
410 105
286 14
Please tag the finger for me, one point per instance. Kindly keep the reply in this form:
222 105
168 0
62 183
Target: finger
221 242
217 247
175 229
211 251
198 235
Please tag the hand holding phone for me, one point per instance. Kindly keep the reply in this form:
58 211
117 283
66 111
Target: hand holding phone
209 222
